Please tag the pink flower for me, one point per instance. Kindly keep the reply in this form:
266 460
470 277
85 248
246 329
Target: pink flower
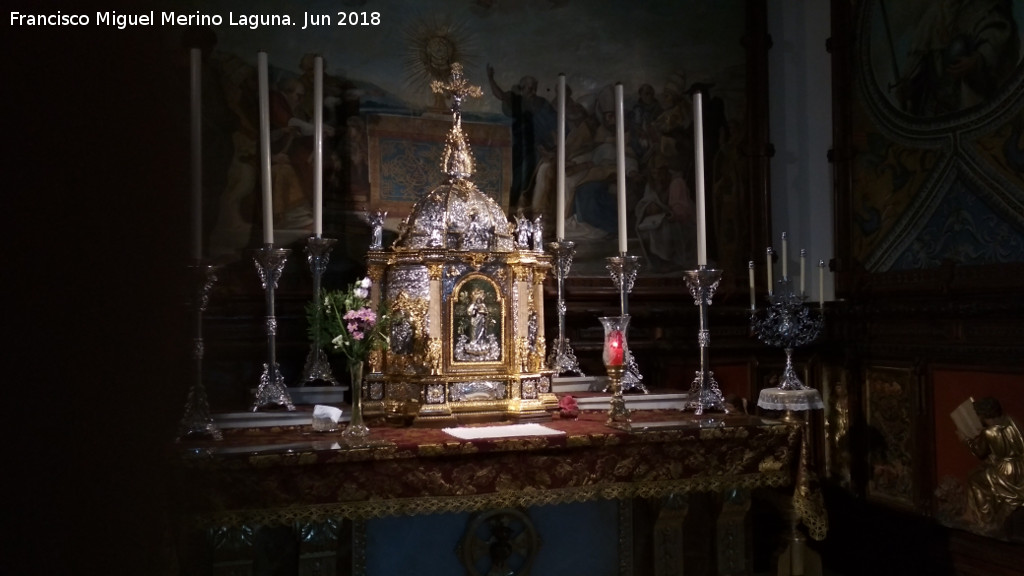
568 407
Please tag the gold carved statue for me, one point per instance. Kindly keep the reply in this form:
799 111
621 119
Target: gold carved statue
996 488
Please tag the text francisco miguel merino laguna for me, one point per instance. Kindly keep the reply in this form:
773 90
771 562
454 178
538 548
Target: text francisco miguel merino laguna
123 21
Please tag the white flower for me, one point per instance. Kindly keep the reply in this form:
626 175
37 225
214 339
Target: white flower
339 341
361 289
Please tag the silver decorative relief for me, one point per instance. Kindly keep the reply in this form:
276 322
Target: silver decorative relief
529 387
413 281
481 390
435 393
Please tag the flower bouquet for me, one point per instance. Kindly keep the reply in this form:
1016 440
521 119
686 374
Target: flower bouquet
344 322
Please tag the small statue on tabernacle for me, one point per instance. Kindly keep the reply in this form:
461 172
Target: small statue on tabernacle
376 220
538 233
524 232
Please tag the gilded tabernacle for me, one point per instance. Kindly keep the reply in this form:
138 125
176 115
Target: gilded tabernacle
465 289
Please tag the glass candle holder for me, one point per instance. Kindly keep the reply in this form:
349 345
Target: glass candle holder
615 355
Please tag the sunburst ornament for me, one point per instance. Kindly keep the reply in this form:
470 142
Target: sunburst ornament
434 44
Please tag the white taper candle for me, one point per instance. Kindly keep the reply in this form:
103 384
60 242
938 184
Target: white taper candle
785 257
560 176
750 268
620 149
268 201
821 283
698 163
318 146
196 69
769 257
803 271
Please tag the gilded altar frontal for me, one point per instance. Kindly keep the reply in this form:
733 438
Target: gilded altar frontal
464 285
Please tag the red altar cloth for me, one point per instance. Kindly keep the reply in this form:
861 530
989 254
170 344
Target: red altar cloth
281 475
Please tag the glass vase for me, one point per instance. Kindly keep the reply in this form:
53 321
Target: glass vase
615 355
356 428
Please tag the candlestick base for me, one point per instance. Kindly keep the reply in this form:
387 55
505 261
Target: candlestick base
272 392
196 422
317 368
618 414
708 397
562 358
789 380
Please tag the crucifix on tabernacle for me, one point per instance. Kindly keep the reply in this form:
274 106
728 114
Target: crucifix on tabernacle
458 88
457 161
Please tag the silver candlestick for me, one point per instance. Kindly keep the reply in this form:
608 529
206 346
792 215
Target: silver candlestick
272 391
623 269
702 283
196 422
562 359
318 253
786 323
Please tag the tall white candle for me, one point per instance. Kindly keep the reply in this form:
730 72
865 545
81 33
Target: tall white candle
698 163
821 283
318 146
560 178
785 257
769 251
268 200
196 69
620 149
803 270
750 268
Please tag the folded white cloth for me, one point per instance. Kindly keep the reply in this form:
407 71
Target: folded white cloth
325 417
507 431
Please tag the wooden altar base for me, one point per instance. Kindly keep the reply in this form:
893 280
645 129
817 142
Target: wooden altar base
292 481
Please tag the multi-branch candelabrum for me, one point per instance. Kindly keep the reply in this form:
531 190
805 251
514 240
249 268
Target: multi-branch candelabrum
704 391
272 391
786 323
562 359
623 269
317 368
196 421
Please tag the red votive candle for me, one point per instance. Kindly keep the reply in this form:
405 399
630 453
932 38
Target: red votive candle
613 352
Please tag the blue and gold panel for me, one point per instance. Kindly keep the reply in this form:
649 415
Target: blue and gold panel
404 153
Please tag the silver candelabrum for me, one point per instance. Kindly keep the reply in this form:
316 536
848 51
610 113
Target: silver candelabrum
562 359
196 421
318 254
787 323
272 391
623 269
704 391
